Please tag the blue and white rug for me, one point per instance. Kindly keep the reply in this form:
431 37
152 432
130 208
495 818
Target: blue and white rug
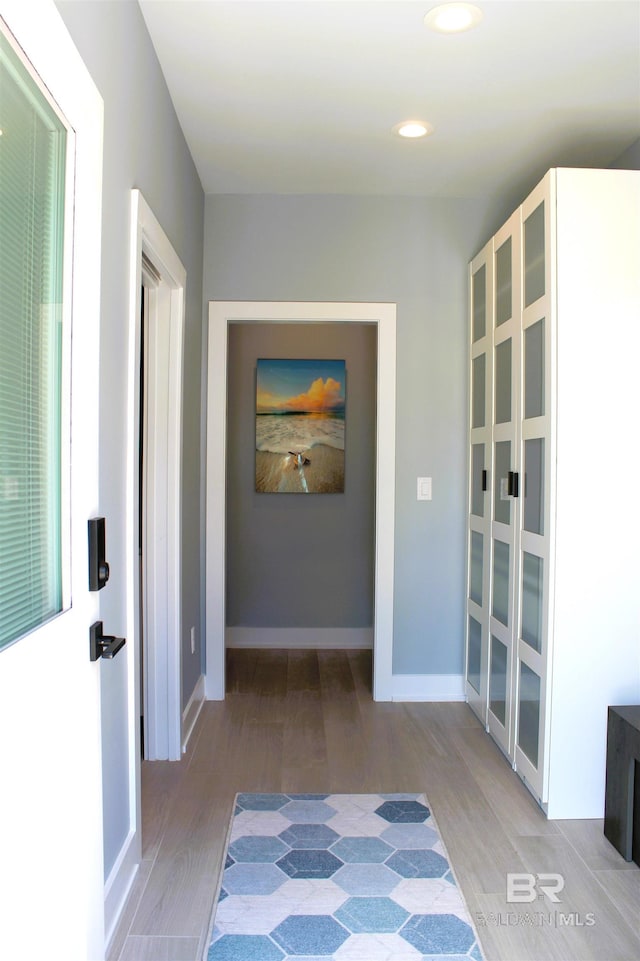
349 877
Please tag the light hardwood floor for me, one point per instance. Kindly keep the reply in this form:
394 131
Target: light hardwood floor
304 721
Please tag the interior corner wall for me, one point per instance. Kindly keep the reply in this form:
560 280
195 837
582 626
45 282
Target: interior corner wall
412 252
144 148
630 159
298 561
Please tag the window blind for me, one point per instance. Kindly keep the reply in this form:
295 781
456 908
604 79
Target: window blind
32 184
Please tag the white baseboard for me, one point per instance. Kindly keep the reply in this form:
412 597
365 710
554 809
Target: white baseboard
118 885
290 638
427 687
192 711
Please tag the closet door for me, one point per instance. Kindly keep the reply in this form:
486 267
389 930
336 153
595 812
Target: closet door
536 454
480 470
505 486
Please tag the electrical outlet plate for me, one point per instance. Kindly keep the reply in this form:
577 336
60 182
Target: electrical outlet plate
424 488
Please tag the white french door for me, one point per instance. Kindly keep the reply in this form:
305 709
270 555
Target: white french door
537 446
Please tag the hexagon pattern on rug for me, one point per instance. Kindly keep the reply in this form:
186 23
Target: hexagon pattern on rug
339 876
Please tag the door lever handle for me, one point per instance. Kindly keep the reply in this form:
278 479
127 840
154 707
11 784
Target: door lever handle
103 645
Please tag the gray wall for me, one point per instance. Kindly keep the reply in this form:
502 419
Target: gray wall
412 252
293 560
144 148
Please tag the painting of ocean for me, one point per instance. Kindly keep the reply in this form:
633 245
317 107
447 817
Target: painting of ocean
300 426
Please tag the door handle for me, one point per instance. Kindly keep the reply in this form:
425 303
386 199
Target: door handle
513 483
103 645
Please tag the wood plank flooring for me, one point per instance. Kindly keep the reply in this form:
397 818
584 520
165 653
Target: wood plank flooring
304 721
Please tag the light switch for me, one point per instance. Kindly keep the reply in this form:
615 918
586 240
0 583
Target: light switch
424 488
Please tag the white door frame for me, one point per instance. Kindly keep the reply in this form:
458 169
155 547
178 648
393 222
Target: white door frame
163 544
223 313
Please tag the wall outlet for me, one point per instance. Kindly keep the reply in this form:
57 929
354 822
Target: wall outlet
193 640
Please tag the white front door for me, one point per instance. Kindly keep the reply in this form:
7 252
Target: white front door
51 818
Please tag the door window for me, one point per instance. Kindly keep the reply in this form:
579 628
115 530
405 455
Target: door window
33 161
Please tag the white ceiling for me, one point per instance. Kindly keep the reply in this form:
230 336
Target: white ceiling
300 96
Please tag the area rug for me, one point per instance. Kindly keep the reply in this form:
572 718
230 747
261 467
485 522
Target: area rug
350 877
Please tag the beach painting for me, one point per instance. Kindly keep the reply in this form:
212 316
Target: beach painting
300 425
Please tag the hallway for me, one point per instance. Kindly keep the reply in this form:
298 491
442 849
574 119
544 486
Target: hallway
304 721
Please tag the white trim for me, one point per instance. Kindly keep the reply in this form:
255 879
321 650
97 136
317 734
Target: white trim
385 505
191 712
428 687
307 638
118 886
163 715
215 540
223 313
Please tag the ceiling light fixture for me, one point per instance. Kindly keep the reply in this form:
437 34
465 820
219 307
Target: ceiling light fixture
453 17
413 129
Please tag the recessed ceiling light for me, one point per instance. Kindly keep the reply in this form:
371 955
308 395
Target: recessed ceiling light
453 17
413 129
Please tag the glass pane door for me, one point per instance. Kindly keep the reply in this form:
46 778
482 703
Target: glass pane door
534 477
479 391
474 660
501 583
532 600
498 681
504 282
529 714
476 565
534 370
478 480
479 307
504 382
502 498
534 256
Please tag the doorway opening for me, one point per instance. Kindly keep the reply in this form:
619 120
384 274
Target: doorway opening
221 315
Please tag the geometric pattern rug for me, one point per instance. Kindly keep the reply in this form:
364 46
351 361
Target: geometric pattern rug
349 877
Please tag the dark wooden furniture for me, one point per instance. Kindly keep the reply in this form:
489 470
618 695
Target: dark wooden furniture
622 793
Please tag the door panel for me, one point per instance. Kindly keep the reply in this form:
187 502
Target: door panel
480 417
536 442
506 500
49 688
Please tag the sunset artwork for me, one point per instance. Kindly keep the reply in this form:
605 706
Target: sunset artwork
300 421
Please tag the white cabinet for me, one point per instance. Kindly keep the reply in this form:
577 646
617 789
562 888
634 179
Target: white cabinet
553 585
